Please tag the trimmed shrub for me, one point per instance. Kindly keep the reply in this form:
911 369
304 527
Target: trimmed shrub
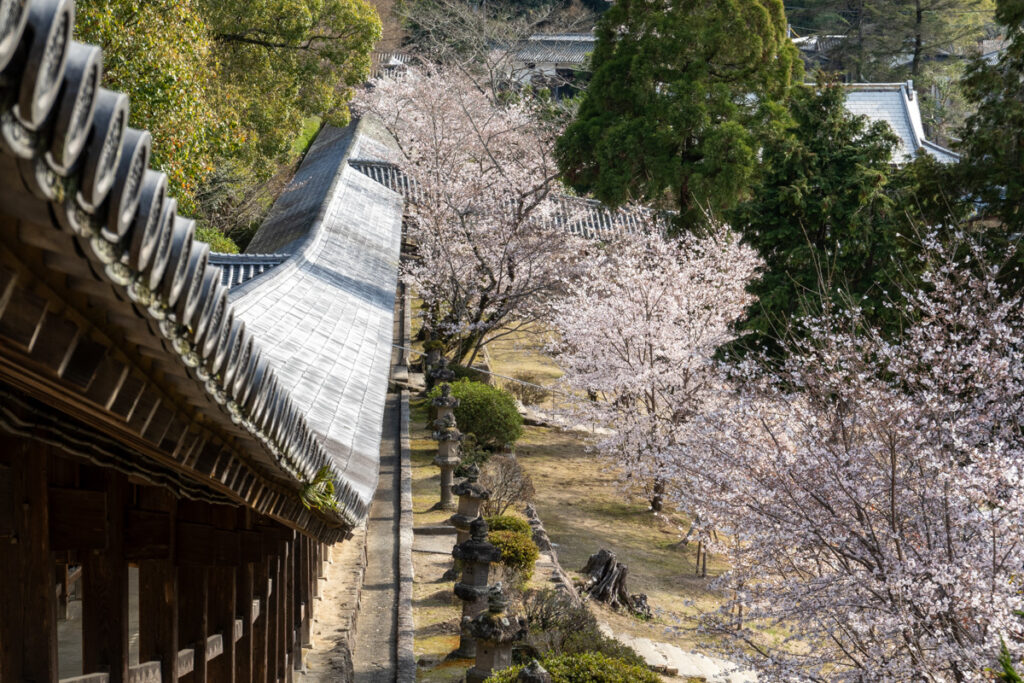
488 413
518 552
586 667
509 523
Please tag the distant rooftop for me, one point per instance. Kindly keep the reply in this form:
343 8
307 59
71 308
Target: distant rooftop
556 48
896 104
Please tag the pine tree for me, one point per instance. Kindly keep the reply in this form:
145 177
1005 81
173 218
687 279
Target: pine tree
993 138
677 100
822 216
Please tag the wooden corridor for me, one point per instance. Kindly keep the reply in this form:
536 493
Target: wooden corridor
224 594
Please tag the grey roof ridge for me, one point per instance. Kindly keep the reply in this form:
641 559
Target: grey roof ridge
941 149
299 249
83 170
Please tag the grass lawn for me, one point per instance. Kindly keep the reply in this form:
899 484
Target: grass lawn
520 355
584 509
310 127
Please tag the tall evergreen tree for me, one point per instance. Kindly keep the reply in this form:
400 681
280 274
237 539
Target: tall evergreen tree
679 94
993 138
823 217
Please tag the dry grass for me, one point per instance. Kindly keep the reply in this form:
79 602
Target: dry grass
522 353
585 509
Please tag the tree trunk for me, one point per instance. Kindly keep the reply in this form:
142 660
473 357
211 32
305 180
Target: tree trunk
606 583
658 495
915 64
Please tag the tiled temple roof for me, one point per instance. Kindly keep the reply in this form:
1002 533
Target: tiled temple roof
237 269
325 316
896 104
557 48
582 217
110 310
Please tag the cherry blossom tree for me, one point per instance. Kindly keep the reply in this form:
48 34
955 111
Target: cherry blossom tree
638 331
482 215
869 490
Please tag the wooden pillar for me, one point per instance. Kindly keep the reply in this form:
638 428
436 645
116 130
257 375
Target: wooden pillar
306 588
284 627
275 649
105 592
158 616
158 594
222 611
260 632
28 602
244 647
193 623
318 567
294 580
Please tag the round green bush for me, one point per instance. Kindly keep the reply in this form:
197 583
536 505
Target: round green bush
588 667
509 523
518 552
488 413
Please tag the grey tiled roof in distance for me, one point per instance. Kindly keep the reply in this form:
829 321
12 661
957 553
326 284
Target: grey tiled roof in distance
579 216
325 316
237 269
560 48
896 104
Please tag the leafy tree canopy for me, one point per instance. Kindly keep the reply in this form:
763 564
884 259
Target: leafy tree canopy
676 102
227 84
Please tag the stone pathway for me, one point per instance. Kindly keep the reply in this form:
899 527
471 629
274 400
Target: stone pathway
374 655
330 660
678 662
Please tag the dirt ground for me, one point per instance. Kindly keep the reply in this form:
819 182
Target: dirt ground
393 34
584 508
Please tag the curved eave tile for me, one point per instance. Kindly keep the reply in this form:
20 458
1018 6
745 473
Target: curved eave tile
69 159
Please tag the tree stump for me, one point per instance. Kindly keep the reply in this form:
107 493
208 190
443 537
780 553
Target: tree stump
606 582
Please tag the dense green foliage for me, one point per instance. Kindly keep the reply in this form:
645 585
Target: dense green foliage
518 552
587 667
227 86
161 54
487 412
512 523
993 138
677 101
823 217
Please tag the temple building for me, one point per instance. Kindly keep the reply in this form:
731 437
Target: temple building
182 435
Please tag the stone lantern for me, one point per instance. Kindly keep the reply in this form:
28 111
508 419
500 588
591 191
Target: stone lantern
439 373
475 555
448 437
495 632
471 497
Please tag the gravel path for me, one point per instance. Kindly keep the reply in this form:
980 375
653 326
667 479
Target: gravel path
374 656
